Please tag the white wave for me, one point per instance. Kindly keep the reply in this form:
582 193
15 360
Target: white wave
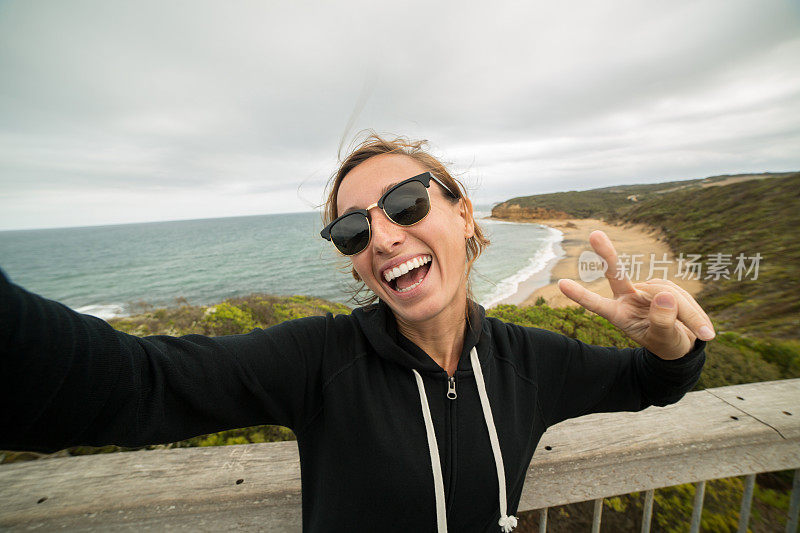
537 263
104 311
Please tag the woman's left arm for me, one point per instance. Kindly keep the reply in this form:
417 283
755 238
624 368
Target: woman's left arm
576 378
662 317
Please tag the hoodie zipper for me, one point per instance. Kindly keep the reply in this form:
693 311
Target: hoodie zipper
451 388
451 395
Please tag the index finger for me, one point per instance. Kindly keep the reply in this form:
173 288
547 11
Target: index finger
617 279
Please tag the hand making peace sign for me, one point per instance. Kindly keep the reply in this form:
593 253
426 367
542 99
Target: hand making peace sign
658 314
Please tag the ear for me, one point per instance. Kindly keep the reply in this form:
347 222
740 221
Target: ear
465 211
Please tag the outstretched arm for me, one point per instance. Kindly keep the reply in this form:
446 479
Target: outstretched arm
578 378
70 379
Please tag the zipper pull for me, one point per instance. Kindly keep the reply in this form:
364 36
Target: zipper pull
451 388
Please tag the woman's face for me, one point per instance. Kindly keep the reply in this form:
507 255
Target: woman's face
440 236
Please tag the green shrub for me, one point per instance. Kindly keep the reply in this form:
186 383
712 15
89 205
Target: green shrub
227 319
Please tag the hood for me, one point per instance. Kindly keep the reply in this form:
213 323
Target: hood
379 325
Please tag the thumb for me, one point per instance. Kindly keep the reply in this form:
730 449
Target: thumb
663 313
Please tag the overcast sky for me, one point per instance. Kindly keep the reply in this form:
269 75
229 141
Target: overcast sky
115 112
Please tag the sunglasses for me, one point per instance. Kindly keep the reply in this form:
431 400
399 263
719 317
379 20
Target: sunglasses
405 204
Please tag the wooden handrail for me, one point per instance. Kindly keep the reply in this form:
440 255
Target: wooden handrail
710 434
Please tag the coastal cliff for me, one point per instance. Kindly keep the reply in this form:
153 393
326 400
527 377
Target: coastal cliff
516 213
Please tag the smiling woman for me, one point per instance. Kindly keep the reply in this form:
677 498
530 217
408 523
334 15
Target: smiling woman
417 157
435 228
416 412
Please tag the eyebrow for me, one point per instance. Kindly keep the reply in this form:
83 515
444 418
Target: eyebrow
383 191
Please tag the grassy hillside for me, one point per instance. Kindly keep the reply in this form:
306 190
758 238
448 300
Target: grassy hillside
759 216
606 201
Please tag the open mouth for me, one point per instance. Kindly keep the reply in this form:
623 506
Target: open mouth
407 276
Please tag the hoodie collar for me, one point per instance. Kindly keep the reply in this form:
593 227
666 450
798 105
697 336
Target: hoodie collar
378 323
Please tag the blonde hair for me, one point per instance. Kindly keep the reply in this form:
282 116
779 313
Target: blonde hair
374 145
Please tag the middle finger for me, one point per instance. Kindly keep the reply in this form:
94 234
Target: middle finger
687 313
617 279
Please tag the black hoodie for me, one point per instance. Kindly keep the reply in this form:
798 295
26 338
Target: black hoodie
349 386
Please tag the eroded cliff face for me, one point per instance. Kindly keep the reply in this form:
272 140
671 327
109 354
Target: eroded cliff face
508 211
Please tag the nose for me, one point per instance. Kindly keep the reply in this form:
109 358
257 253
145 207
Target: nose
386 235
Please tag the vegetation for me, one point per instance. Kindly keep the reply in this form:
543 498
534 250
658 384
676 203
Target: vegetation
607 201
672 508
757 216
234 315
731 359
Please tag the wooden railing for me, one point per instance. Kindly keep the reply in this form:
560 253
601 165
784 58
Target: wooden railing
716 433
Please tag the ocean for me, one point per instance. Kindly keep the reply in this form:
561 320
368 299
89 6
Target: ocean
110 271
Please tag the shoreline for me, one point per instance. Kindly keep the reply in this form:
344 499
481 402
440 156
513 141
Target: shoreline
632 239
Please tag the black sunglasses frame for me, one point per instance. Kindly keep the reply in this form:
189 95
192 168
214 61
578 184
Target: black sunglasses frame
424 178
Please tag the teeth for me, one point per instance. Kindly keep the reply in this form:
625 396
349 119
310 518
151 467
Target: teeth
410 287
409 265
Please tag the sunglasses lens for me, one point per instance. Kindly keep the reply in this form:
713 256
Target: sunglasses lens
351 234
407 204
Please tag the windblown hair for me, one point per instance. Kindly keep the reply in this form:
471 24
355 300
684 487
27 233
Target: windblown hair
374 145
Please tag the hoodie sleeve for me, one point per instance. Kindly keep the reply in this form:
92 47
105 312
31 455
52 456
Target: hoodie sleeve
70 379
576 379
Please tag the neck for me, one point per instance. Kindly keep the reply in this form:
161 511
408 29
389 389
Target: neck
441 337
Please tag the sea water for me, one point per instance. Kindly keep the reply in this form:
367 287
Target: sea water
111 271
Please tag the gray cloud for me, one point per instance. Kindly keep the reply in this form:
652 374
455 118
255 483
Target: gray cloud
240 108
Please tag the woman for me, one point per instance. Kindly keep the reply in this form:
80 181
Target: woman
415 413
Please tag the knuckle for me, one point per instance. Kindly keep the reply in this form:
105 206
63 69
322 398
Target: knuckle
672 283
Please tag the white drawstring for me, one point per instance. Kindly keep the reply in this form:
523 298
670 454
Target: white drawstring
507 523
436 465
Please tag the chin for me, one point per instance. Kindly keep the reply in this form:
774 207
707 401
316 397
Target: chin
421 310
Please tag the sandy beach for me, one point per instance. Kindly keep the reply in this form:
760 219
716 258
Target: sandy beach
641 242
